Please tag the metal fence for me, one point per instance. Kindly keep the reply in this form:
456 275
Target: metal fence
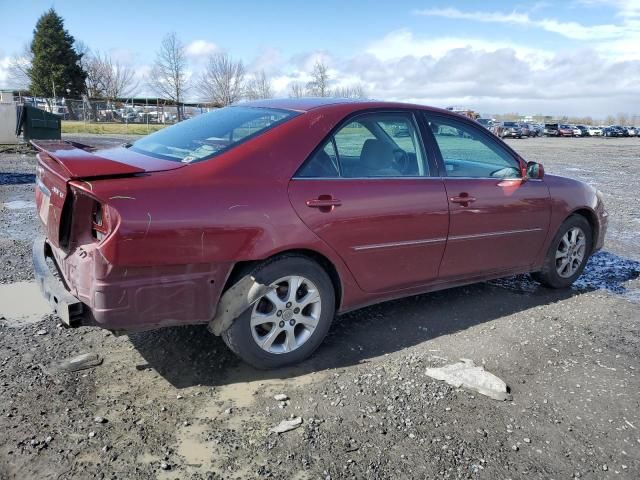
135 111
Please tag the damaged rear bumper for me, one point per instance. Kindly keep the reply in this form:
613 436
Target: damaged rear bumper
84 289
66 306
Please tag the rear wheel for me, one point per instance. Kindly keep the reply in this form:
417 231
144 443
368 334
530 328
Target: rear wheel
567 255
287 324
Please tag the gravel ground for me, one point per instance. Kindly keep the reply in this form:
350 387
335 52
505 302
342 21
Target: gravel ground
176 404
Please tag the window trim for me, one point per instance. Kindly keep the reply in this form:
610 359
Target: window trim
483 132
428 162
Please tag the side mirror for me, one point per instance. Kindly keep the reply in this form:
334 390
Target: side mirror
535 170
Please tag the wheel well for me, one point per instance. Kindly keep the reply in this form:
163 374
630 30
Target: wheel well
240 269
593 223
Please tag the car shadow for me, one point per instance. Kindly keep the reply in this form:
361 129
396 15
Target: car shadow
188 356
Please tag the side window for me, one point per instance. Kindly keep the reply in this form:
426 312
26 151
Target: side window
372 145
468 153
323 163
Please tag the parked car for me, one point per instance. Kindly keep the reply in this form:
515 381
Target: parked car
485 122
594 131
631 131
613 131
551 130
507 129
565 130
526 130
539 128
266 218
584 131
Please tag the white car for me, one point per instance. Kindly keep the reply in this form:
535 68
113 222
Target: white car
633 131
594 131
576 131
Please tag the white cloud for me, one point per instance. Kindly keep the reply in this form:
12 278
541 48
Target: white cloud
402 43
4 72
572 30
200 48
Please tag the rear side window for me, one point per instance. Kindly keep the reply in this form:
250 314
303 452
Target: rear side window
207 135
466 152
372 145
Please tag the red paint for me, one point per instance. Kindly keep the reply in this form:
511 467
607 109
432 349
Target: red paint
177 230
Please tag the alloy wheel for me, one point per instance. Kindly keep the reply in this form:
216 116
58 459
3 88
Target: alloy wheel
571 252
286 317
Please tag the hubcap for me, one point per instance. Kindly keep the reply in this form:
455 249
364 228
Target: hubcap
284 318
571 252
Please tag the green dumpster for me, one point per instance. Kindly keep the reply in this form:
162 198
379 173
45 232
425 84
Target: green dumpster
37 124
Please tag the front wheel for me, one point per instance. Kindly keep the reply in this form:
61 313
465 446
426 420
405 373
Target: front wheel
288 323
567 255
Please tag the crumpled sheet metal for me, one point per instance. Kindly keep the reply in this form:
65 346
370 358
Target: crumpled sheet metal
467 374
235 301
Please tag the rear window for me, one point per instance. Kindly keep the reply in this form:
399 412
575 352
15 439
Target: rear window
209 134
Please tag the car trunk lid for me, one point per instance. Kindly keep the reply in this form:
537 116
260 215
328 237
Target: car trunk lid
60 162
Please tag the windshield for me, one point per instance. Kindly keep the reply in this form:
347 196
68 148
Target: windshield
510 124
209 134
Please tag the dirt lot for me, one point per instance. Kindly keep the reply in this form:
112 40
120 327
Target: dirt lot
176 404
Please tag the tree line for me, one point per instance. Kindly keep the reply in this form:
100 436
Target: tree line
55 65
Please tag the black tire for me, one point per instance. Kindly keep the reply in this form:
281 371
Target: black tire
239 337
549 276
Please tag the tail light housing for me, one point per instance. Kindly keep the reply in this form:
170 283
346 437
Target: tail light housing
100 221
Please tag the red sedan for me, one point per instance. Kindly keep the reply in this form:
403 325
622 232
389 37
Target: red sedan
264 219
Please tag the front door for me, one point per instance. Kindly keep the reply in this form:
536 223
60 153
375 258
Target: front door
498 219
368 192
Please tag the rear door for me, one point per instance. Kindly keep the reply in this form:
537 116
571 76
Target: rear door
368 191
498 220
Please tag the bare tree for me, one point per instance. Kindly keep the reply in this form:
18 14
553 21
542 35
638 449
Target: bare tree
296 90
222 82
319 85
259 87
119 79
168 75
19 66
107 78
355 91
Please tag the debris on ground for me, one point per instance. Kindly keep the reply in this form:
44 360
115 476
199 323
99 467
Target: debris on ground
287 425
468 375
281 397
80 362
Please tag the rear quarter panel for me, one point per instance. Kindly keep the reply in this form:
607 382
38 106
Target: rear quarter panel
234 207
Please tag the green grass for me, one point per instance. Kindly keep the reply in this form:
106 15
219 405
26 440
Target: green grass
69 126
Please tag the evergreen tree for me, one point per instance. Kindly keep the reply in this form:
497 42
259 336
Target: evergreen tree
56 64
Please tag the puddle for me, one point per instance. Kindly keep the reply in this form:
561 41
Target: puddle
17 178
19 205
605 271
192 445
22 303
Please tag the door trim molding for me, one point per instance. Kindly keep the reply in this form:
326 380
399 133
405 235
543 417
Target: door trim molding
493 234
406 243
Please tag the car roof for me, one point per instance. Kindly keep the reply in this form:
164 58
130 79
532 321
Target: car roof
313 103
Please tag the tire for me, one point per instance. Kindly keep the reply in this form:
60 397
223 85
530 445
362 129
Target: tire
242 338
550 276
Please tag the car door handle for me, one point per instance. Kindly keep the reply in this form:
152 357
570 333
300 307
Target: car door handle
324 202
463 199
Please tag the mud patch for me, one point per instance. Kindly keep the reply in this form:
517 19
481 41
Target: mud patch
22 303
